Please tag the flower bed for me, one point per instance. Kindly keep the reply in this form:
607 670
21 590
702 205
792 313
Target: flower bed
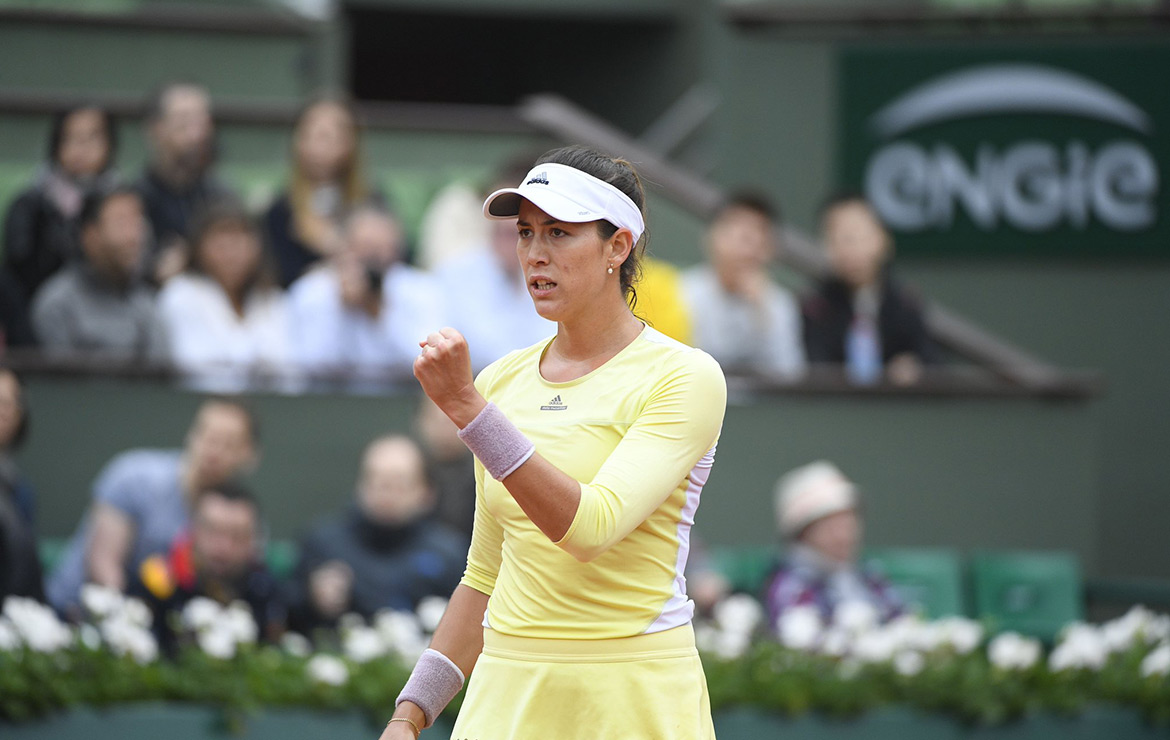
947 668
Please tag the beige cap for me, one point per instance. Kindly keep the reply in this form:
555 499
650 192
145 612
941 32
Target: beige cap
809 493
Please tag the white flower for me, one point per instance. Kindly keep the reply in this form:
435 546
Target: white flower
238 620
909 663
101 601
855 616
363 644
836 642
328 670
9 638
1081 646
218 642
1158 630
142 646
137 612
739 613
800 627
200 613
296 644
430 611
1012 651
731 645
876 646
401 632
964 635
1157 663
37 625
89 636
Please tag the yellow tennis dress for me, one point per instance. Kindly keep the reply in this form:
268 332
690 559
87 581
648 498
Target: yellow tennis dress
590 637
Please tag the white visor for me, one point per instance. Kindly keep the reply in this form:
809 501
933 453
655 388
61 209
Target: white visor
570 195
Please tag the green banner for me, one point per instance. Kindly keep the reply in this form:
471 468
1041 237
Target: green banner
1038 149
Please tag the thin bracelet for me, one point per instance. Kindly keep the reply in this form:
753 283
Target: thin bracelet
417 731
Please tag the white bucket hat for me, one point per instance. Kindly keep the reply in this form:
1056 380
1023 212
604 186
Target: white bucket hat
570 195
809 493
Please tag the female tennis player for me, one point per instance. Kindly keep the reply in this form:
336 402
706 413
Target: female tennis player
591 451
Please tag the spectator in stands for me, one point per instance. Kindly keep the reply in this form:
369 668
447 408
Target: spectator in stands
385 552
20 566
220 558
99 305
817 514
142 498
40 229
741 316
364 312
304 224
488 300
450 466
860 316
177 183
225 317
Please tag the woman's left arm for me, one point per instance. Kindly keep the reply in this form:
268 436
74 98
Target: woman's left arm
680 423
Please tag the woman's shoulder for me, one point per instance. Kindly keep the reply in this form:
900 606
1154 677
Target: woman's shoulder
670 356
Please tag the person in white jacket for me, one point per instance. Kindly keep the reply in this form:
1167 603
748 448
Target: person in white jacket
226 318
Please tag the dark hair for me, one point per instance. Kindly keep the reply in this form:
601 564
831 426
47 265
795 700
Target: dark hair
21 433
233 491
57 132
621 174
156 101
95 203
755 201
229 213
840 198
241 405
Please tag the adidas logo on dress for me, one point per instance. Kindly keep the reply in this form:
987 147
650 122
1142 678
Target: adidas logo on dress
556 404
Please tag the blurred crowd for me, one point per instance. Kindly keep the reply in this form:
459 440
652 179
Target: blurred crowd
168 267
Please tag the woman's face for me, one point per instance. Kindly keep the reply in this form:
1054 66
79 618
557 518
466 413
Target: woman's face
564 263
836 536
230 256
85 144
325 141
856 243
11 408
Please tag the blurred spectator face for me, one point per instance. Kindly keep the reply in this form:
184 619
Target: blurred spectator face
324 142
393 488
740 243
219 444
85 145
223 536
115 242
11 408
230 254
836 536
374 239
184 132
856 243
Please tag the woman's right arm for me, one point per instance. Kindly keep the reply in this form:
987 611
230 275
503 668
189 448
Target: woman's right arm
459 636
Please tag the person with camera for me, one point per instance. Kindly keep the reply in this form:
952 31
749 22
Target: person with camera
360 314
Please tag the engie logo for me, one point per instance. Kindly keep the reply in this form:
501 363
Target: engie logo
1032 184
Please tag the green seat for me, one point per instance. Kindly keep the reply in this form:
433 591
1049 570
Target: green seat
1034 593
50 550
745 567
927 579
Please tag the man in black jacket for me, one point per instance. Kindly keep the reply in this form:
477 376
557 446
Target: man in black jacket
385 551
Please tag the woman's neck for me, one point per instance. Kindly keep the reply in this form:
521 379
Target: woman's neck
589 341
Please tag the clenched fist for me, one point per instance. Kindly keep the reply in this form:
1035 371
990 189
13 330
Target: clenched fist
443 368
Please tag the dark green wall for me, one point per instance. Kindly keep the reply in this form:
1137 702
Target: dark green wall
966 473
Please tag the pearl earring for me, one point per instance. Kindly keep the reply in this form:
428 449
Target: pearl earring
610 270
